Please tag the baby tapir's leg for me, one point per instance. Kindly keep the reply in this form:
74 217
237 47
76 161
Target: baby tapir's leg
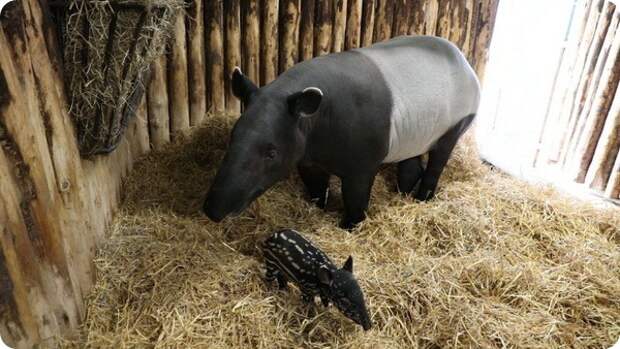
316 181
274 273
438 158
409 173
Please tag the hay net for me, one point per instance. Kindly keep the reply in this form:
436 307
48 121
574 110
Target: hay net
108 47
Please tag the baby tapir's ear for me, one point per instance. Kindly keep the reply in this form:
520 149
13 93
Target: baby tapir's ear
306 102
242 87
348 265
326 277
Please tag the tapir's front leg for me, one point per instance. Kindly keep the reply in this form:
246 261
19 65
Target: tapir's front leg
316 181
356 194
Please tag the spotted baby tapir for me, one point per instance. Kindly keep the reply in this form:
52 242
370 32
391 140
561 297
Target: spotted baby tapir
290 257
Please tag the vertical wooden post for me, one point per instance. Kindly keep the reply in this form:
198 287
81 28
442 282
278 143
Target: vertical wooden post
598 103
269 41
142 143
573 81
431 9
157 100
458 23
385 17
354 25
196 60
215 58
402 13
606 149
613 186
486 22
340 23
233 51
417 17
289 48
177 79
470 8
306 30
251 40
444 19
323 28
584 81
368 22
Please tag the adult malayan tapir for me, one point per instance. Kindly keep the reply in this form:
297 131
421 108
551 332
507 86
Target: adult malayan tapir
345 114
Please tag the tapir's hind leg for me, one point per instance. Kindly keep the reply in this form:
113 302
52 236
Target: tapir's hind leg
438 158
409 173
316 181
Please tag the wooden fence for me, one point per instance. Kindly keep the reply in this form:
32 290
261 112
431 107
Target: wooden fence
581 135
55 206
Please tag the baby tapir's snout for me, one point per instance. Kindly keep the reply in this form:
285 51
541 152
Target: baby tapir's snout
291 257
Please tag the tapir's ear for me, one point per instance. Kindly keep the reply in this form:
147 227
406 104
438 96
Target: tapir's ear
348 265
242 87
306 102
326 277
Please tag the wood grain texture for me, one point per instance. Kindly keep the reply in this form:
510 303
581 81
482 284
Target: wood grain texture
196 62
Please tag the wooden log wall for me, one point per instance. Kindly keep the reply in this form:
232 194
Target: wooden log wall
581 135
55 206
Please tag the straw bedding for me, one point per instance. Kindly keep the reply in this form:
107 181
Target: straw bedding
491 262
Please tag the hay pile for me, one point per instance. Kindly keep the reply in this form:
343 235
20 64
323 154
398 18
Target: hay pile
108 48
491 262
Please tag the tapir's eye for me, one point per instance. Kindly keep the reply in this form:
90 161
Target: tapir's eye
272 152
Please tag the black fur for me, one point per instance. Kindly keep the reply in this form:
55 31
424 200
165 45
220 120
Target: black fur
290 257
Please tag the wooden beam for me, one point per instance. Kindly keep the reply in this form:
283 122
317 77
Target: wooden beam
232 15
384 19
157 100
177 80
196 62
251 40
323 27
306 30
215 70
340 24
368 22
354 25
289 48
269 41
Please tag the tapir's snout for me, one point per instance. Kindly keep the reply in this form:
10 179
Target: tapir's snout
210 210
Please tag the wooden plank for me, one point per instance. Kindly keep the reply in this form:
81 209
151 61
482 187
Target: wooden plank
417 24
289 48
340 24
177 80
470 13
157 100
553 125
607 148
269 40
306 30
431 11
402 13
564 122
251 40
196 62
612 190
38 201
458 24
577 119
485 24
444 19
598 102
385 18
215 58
323 27
354 25
232 16
368 22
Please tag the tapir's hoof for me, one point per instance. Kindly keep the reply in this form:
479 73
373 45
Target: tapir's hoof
348 225
424 194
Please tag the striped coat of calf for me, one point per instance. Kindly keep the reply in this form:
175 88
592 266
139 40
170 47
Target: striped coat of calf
291 257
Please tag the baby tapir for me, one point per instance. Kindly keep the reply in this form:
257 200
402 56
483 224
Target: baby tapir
290 257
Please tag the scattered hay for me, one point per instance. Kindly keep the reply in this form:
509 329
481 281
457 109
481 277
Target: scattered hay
491 262
109 46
